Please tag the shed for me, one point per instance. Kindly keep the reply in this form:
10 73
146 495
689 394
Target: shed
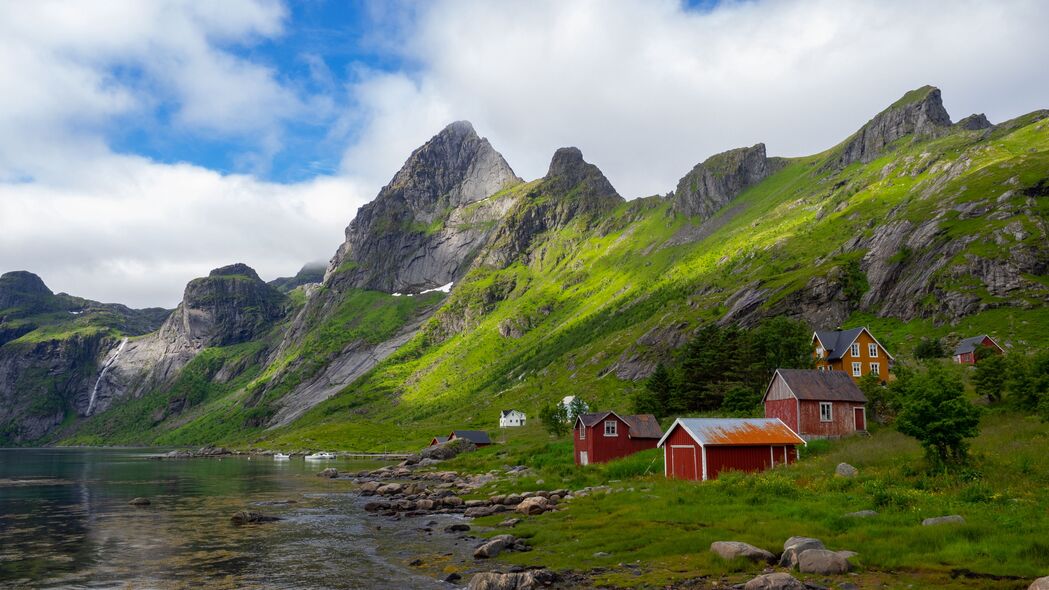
965 352
437 440
702 448
816 404
477 437
603 436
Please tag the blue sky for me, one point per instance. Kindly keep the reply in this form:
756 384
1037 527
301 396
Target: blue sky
144 143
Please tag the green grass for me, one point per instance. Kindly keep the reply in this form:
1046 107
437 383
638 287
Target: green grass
671 524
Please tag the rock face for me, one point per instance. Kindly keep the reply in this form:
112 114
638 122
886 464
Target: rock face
920 112
572 189
24 292
974 122
309 274
719 179
424 228
229 306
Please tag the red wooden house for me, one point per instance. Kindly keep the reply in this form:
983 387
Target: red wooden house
965 353
604 436
702 448
816 404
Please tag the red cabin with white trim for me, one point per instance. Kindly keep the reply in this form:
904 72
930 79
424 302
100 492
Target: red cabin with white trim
816 404
701 448
603 436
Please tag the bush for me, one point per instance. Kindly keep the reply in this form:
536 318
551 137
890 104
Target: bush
930 348
936 413
555 419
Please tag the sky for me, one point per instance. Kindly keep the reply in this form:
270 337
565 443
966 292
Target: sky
145 142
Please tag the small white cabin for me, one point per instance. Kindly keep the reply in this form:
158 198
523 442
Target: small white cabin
511 419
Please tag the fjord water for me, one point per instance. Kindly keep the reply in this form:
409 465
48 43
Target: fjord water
65 522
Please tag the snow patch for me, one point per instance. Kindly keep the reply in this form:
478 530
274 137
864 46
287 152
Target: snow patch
443 289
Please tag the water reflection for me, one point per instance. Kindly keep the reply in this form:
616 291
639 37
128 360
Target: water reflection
65 522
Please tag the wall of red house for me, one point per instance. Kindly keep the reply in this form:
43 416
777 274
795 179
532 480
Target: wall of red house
784 409
682 463
843 419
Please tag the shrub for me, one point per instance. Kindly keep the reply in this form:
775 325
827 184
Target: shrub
930 348
555 419
936 413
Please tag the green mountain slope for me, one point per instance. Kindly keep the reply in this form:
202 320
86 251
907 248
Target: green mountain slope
913 226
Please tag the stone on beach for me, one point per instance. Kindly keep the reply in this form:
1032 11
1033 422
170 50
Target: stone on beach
776 581
732 549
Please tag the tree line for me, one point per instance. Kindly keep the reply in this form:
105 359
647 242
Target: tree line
726 369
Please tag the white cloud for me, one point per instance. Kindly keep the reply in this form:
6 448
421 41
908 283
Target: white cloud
647 89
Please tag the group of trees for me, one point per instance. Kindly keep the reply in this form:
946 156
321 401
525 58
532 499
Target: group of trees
726 368
558 418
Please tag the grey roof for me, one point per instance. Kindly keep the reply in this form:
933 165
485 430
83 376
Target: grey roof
474 436
970 344
441 439
837 341
737 431
641 425
507 412
827 386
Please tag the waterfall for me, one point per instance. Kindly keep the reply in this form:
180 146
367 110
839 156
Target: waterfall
102 375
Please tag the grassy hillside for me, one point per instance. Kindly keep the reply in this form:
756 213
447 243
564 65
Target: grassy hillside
1002 496
581 303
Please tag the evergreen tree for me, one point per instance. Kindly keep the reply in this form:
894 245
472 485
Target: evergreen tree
929 348
657 395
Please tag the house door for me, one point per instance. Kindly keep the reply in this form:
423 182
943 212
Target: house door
584 459
683 462
861 419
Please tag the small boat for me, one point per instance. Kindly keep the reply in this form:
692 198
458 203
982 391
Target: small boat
281 457
324 456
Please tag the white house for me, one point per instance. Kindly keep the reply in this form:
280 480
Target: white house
511 418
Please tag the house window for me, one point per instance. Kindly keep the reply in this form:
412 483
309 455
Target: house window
610 428
855 350
857 369
826 412
872 350
876 368
819 351
582 433
821 368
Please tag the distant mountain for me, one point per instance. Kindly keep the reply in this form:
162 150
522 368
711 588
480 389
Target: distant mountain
309 274
462 289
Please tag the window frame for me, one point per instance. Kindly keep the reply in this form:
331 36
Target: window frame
582 432
854 350
614 433
872 350
829 413
857 369
876 368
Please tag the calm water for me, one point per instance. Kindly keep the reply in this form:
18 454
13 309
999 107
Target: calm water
65 522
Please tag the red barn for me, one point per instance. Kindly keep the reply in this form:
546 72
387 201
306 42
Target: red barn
605 436
965 353
702 448
816 404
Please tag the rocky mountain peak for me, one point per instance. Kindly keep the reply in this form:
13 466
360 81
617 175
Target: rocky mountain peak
23 289
974 122
403 240
237 269
719 179
569 172
920 112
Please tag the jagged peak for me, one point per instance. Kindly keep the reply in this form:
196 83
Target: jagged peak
24 281
568 170
919 112
719 179
236 269
974 122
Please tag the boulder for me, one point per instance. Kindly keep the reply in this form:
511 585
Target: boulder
457 528
510 522
330 473
952 519
862 514
513 499
494 546
534 505
369 487
822 561
794 546
479 511
140 502
529 580
846 470
424 504
1040 584
251 517
389 489
452 501
733 549
777 581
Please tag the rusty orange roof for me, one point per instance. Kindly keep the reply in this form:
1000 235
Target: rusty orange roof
736 431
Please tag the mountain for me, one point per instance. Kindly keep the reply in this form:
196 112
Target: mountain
462 289
309 274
